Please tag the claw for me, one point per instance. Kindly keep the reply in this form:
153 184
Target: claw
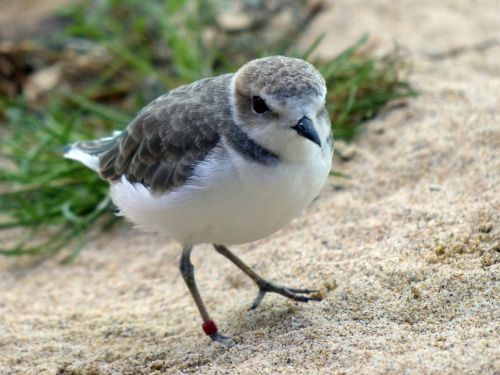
256 302
292 293
303 291
221 339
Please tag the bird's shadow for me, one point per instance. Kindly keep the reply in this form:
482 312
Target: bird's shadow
263 322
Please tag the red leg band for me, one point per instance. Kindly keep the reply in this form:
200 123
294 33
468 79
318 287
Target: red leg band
209 327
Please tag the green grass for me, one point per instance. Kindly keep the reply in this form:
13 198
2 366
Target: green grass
48 203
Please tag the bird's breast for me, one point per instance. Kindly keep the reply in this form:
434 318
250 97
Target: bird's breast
230 200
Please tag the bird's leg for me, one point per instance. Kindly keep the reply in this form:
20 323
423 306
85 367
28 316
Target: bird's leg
187 271
267 286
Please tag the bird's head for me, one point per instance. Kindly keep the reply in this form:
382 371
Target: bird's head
280 103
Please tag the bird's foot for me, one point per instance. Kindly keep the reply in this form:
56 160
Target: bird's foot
221 339
211 330
300 295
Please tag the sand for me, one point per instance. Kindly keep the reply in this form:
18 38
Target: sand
406 251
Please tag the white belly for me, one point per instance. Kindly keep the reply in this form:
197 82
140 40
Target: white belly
226 202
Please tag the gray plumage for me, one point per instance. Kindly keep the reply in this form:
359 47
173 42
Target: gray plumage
163 144
161 147
280 76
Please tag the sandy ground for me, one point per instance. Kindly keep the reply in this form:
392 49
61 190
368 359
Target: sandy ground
406 251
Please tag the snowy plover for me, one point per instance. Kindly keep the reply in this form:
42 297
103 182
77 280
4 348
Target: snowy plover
224 160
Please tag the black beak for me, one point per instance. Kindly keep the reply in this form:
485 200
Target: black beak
305 128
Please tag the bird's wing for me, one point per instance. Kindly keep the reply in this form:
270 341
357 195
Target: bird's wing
163 144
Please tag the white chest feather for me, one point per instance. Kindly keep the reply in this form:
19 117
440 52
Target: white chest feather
228 200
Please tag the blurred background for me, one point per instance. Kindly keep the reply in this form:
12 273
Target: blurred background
73 70
403 241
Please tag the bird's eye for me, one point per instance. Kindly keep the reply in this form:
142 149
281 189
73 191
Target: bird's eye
259 105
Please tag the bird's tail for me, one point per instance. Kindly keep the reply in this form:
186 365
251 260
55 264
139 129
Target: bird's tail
88 152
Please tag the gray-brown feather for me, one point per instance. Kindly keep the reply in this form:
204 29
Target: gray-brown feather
169 137
163 144
280 76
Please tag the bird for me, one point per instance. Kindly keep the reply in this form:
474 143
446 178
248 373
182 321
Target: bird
225 160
